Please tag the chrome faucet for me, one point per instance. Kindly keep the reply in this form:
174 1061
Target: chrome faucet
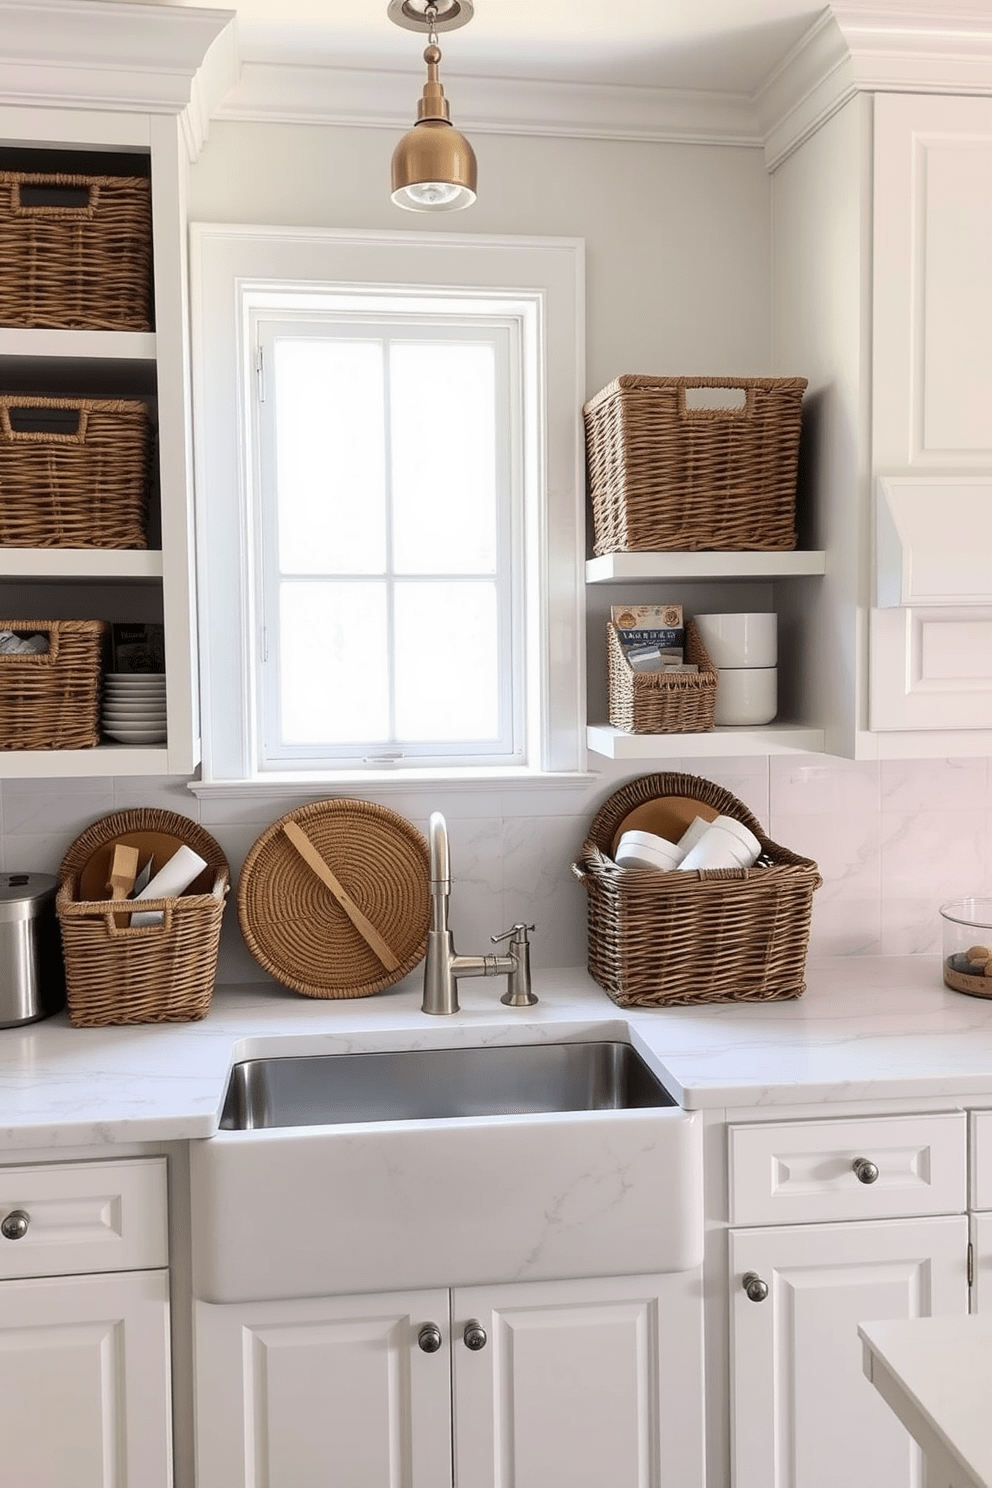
443 966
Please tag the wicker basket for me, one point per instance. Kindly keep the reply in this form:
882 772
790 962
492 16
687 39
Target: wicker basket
728 935
663 476
74 472
51 701
118 973
662 702
75 251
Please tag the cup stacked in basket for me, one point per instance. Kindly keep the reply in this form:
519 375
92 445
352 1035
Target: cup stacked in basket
133 708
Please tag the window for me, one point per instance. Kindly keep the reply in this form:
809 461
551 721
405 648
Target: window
389 509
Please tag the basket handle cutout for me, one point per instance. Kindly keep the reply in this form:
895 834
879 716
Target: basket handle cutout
716 400
40 196
37 422
39 658
164 926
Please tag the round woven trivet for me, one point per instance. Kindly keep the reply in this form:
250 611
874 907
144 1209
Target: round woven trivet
294 926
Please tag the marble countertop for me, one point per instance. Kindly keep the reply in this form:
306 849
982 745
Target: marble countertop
867 1028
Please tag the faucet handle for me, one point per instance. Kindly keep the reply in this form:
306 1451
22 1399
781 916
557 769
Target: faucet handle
517 933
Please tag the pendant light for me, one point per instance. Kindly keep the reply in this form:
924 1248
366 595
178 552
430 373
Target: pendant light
433 165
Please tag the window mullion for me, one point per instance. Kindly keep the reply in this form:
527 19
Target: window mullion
389 576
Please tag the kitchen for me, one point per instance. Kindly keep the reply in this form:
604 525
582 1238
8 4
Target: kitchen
681 221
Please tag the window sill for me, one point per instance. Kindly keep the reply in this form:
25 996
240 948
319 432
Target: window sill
299 783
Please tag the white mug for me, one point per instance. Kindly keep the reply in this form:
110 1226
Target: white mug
743 640
726 843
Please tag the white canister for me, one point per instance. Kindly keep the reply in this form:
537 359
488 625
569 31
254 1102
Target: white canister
749 639
726 843
746 696
692 833
647 850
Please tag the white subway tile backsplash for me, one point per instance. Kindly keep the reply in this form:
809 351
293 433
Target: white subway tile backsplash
892 841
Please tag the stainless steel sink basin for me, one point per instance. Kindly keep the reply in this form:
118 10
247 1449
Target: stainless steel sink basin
368 1172
433 1084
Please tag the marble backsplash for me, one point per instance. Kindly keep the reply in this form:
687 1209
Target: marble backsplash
893 840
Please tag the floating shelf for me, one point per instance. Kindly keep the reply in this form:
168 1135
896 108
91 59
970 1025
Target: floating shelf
617 567
80 563
775 738
105 759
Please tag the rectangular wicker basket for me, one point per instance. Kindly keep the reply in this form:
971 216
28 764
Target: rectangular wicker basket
662 702
74 472
75 251
117 973
51 700
729 935
663 476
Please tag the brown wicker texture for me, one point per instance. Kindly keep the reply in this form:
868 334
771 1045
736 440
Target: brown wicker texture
295 927
662 702
729 935
118 973
51 701
85 488
663 476
75 251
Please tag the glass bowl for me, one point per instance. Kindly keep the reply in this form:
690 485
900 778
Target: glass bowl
967 930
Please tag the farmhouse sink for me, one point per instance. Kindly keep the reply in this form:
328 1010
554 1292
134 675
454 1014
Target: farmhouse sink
448 1167
433 1084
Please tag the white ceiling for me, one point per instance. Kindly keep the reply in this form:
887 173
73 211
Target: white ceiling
713 45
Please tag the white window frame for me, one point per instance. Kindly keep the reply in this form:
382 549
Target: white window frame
232 266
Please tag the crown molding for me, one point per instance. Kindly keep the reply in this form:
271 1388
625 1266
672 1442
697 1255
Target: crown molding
301 94
96 54
885 49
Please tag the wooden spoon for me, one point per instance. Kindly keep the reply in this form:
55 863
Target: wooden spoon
366 929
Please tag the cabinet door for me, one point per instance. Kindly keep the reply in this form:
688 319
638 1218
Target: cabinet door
981 1240
803 1414
320 1391
583 1382
85 1381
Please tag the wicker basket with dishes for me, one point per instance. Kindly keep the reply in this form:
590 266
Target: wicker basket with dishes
659 938
147 960
75 251
50 683
667 476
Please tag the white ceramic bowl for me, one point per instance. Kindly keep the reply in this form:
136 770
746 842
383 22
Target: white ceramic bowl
126 734
646 850
742 640
746 696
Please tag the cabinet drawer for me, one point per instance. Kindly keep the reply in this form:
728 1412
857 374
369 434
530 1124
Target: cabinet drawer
981 1159
86 1216
791 1172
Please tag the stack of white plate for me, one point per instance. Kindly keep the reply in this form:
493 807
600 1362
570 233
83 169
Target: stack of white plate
133 709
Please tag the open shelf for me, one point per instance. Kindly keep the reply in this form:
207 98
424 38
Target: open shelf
773 738
80 563
614 568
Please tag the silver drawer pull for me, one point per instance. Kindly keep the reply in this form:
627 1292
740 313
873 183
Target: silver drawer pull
865 1170
429 1338
757 1290
474 1335
14 1226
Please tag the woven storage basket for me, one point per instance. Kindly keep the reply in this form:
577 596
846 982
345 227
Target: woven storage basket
728 935
74 472
118 973
662 702
294 926
663 476
51 701
75 251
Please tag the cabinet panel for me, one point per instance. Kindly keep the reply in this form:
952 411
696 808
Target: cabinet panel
803 1414
932 374
581 1382
792 1172
981 1159
303 1393
85 1216
84 1381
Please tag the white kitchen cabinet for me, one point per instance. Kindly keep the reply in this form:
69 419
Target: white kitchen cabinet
137 91
85 1388
585 1382
833 1223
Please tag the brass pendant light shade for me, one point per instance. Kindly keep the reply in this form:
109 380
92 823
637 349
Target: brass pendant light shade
434 167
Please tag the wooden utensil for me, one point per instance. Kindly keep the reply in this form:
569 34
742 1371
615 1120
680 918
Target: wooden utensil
313 859
123 869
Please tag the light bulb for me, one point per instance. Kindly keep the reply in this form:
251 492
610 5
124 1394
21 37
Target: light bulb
433 193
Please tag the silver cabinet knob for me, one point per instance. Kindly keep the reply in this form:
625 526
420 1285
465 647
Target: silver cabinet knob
474 1335
865 1170
429 1338
14 1225
757 1290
